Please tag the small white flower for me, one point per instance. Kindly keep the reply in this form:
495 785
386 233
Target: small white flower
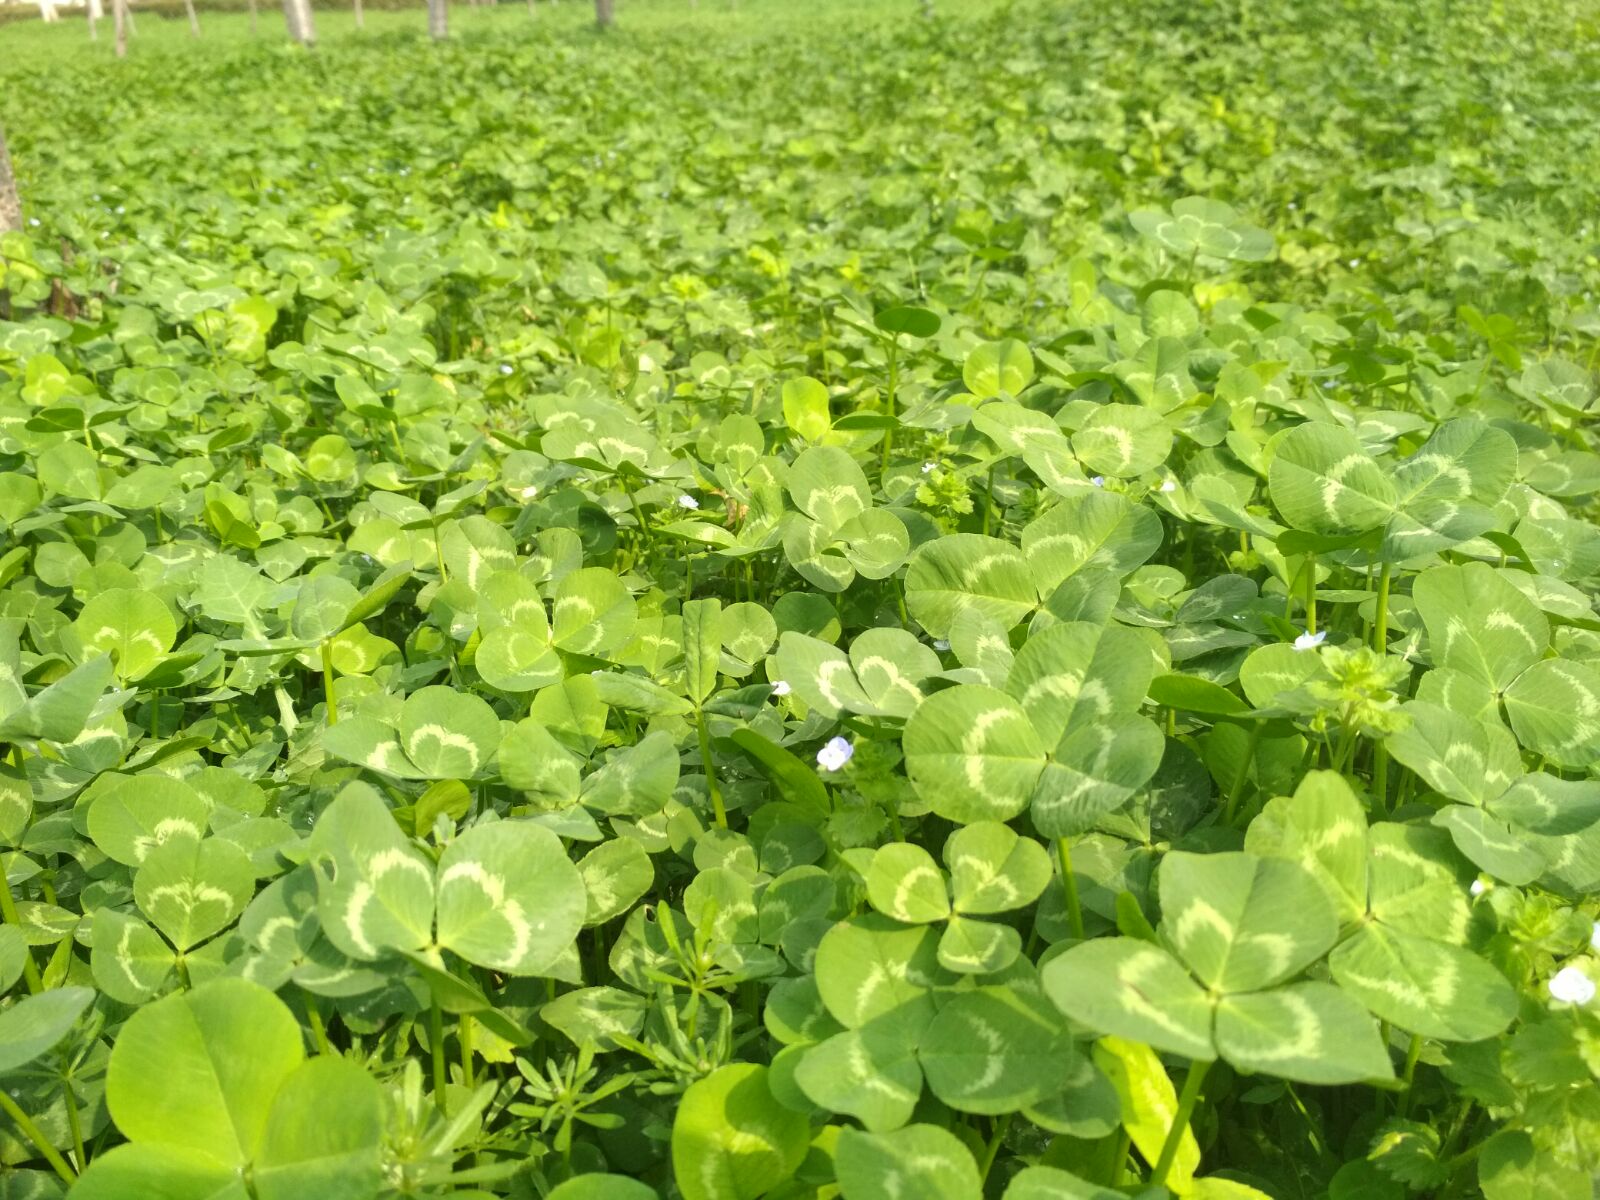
33 220
1478 888
688 502
1571 986
1594 937
121 209
941 645
1310 641
1293 207
506 368
780 687
1354 263
1098 480
529 492
835 754
928 468
1169 485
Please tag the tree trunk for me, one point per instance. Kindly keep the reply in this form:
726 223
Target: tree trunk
361 15
194 21
47 11
252 18
95 13
10 204
605 13
302 25
119 21
438 20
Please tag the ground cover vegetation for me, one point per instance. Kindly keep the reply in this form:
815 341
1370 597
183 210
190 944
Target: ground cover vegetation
804 604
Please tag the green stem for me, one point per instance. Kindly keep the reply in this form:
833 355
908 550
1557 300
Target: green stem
1237 790
8 910
36 1136
1380 643
710 770
436 1044
993 1148
894 384
464 1036
1311 593
1180 1122
327 681
1380 629
1069 884
319 1031
74 1123
1413 1052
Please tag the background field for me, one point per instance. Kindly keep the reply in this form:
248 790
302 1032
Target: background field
802 600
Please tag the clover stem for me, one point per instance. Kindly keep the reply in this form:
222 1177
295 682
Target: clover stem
327 681
34 1135
710 770
74 1123
1001 1124
8 910
1407 1073
894 383
1069 885
319 1031
464 1036
988 501
1180 1122
1311 593
1119 1156
1237 790
1380 643
436 1044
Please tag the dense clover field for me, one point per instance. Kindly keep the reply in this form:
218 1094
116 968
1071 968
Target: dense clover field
804 601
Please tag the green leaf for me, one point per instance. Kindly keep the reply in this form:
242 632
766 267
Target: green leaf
447 734
731 1140
919 1160
192 889
1323 828
972 754
805 408
375 889
870 965
909 320
1122 440
1241 922
998 368
1322 481
870 1073
1149 1106
1099 530
1076 673
197 1071
968 571
828 486
323 1135
1479 624
996 1050
509 898
1094 770
1554 707
1424 986
993 869
136 628
904 883
1310 1032
1196 225
1131 989
37 1023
